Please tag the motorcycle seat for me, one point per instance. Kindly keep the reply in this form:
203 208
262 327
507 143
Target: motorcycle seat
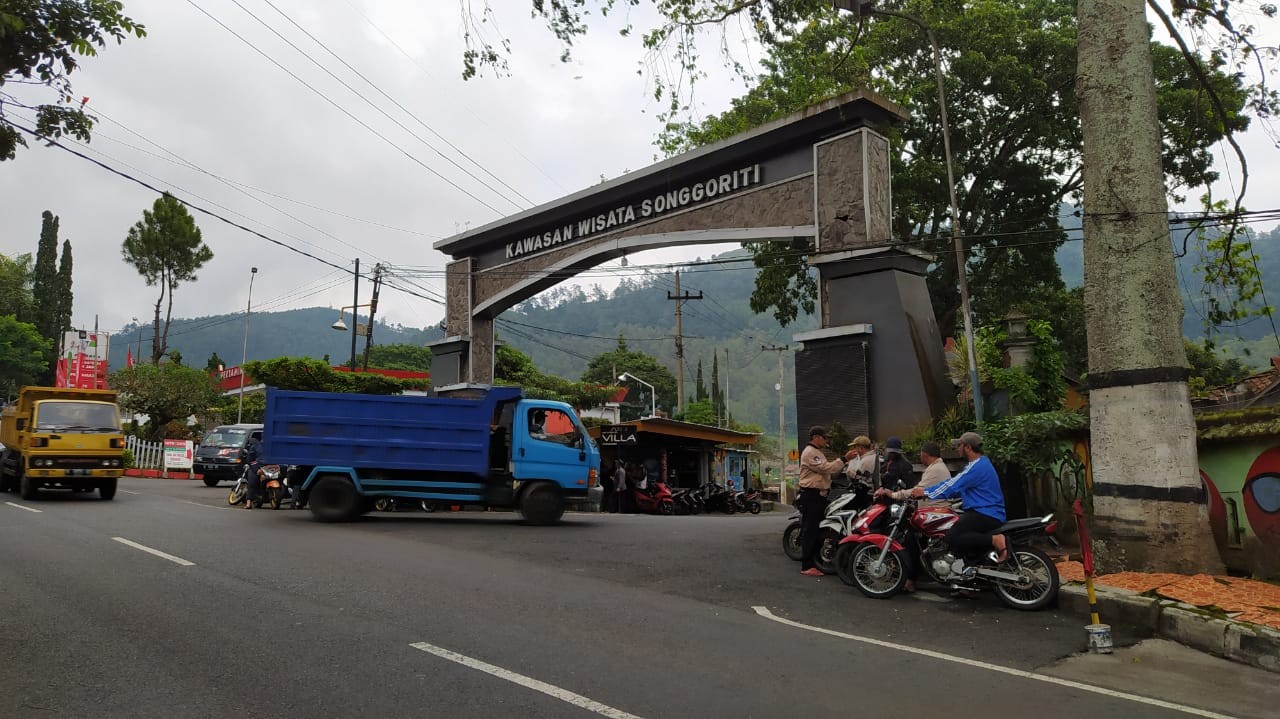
1014 525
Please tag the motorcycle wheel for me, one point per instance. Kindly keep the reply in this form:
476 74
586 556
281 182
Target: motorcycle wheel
826 559
667 508
236 495
275 498
753 507
885 583
844 562
791 542
1041 581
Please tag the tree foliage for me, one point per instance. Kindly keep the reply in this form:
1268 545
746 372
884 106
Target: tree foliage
604 369
310 375
406 357
23 353
15 287
513 367
1209 368
44 277
214 363
166 249
41 43
164 392
700 412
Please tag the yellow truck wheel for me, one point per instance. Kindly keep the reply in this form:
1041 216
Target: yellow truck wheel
28 489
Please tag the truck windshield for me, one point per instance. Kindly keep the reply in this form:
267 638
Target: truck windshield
552 425
77 417
224 438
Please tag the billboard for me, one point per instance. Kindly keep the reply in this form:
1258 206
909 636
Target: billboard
83 361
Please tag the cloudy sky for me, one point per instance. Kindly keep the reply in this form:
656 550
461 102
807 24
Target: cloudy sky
196 110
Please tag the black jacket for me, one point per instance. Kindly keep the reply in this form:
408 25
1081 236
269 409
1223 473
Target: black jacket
896 468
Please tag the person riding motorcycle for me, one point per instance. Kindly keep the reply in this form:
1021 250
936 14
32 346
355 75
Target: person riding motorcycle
978 487
252 453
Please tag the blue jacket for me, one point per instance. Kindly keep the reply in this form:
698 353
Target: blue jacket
977 486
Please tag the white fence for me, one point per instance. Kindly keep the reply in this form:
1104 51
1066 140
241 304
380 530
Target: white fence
146 455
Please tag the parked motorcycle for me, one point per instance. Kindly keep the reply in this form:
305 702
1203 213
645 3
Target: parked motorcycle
747 501
655 501
687 501
716 498
854 499
879 563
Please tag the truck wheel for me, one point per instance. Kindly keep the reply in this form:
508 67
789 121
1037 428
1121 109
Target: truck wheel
107 490
542 504
27 488
210 482
334 499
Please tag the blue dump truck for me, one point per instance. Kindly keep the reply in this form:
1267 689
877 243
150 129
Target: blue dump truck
495 449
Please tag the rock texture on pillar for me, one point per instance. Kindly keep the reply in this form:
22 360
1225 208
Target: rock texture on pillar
457 290
481 364
851 179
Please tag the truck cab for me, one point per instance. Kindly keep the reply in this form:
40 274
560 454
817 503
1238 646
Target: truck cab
61 438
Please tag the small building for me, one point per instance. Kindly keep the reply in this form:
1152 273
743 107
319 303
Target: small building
1257 390
684 453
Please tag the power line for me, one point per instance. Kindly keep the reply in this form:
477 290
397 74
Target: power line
343 110
404 109
464 106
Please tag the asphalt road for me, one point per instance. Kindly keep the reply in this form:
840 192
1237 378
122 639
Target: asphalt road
270 614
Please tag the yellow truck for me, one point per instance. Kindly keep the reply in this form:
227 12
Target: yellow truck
61 438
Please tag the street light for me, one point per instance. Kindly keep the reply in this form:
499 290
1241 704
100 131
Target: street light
867 7
653 394
244 350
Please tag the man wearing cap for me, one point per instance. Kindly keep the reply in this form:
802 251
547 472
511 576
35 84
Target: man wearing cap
978 488
862 466
815 480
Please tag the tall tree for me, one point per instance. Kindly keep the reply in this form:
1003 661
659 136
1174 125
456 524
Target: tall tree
65 297
41 42
717 397
700 390
1149 502
44 278
166 249
15 287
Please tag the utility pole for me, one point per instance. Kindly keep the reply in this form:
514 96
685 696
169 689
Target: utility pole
355 304
373 307
782 432
680 300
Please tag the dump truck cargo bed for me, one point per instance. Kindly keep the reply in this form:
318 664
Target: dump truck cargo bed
384 432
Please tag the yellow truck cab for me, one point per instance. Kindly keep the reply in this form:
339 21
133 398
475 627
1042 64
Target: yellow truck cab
61 438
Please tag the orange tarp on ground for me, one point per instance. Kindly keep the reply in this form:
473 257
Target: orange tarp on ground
1245 600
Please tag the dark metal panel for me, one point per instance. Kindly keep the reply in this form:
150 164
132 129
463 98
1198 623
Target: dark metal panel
833 384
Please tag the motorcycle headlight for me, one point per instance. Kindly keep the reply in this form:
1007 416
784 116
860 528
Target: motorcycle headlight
895 511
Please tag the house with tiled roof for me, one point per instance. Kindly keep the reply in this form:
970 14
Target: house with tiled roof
1256 390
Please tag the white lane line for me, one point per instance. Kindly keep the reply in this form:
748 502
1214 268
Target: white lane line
550 690
128 492
764 612
157 552
196 504
23 506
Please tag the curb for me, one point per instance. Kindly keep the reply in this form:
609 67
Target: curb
157 474
1245 643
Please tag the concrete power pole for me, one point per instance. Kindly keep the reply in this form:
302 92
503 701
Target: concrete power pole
782 431
680 300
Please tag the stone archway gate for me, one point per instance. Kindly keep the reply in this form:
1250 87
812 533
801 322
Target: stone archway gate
822 173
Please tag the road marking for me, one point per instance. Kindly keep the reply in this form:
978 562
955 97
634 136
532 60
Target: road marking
550 690
157 552
128 492
22 506
764 612
196 504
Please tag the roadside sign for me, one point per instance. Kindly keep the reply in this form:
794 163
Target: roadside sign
793 455
177 454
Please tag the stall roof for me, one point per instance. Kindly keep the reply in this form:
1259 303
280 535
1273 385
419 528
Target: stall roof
686 430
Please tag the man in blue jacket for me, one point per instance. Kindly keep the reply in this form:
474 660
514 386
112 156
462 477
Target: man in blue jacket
978 488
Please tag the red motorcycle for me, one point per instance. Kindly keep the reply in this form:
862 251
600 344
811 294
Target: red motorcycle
878 562
658 500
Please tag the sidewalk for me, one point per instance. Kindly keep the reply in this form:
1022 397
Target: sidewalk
1227 616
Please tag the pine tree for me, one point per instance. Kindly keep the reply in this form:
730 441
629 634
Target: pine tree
66 297
44 278
216 364
717 397
700 390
